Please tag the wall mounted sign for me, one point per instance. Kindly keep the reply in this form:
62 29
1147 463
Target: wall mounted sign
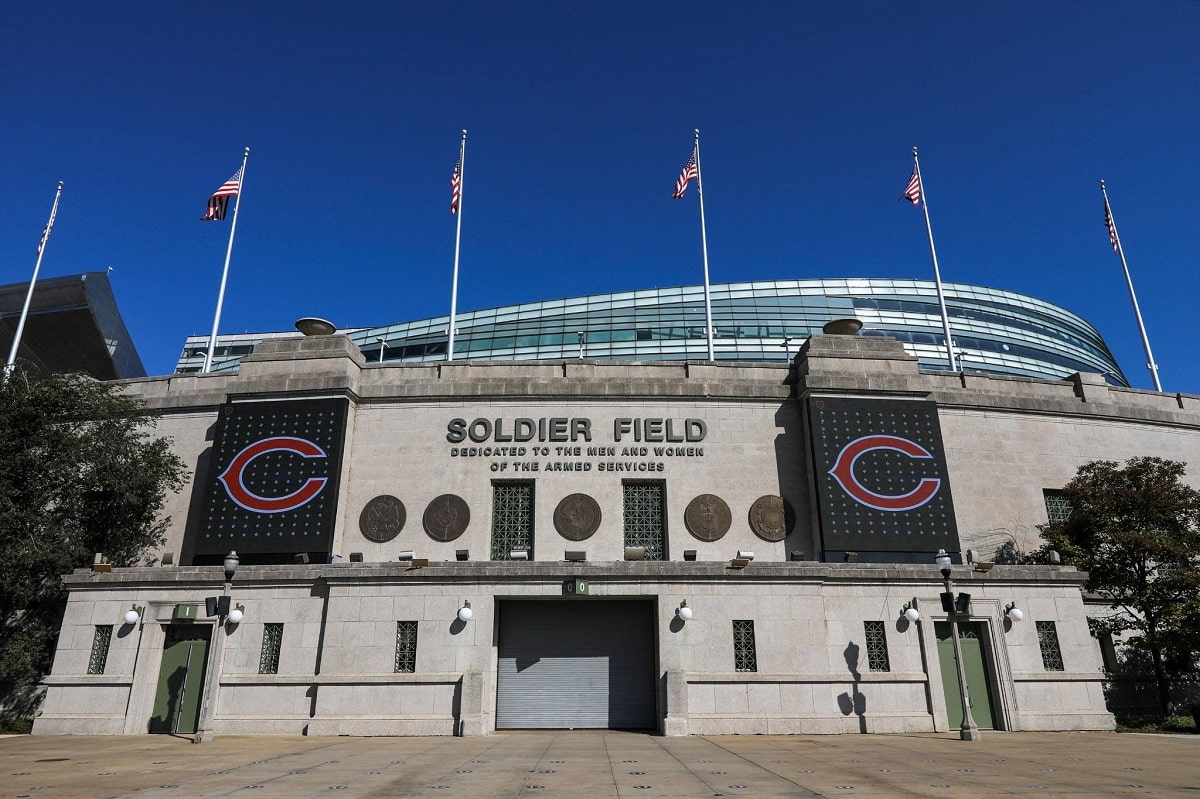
273 477
881 477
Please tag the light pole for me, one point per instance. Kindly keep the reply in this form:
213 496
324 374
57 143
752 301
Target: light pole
382 348
787 350
204 733
968 731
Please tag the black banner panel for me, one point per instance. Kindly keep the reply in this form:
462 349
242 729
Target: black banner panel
273 479
880 469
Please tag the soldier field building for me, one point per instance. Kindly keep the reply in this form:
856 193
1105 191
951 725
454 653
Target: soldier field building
434 547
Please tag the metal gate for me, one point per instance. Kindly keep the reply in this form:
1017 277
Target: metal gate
576 664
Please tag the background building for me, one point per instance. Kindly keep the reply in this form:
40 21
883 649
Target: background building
995 331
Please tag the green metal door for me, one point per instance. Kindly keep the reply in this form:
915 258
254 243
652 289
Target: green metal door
181 679
979 687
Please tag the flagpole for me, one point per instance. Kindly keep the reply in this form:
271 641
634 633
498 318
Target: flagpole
937 275
1150 364
708 320
16 345
212 340
462 168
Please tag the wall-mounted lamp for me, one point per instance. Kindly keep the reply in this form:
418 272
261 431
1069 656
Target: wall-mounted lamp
683 611
462 554
849 557
134 614
744 554
465 613
689 554
739 563
910 612
237 614
519 554
404 554
1013 612
575 555
984 565
635 553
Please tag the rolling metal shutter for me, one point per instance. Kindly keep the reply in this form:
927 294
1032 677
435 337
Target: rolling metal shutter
576 664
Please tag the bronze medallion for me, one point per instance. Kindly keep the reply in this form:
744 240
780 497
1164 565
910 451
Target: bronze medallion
382 519
577 517
707 517
771 518
446 518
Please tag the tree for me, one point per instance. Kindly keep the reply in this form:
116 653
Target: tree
1136 531
80 473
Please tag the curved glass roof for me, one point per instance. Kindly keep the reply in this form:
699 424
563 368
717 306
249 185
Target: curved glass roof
994 331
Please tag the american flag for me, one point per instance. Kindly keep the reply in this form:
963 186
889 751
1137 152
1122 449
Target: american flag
46 232
1112 227
688 174
456 184
912 192
219 202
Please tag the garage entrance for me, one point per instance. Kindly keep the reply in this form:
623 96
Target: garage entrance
581 664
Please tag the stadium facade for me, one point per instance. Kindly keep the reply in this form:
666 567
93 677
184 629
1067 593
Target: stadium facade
994 331
692 547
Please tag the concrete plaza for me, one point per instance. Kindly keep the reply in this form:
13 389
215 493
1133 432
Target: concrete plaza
597 764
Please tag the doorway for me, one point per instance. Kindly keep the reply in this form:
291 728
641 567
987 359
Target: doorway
975 666
181 679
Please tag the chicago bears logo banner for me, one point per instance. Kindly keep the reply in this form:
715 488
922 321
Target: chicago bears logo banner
273 478
881 476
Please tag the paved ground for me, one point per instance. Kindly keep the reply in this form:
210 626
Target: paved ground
540 765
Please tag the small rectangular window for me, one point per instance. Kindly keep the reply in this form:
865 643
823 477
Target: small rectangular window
877 651
1048 641
100 642
268 661
406 647
512 519
744 656
645 518
1058 509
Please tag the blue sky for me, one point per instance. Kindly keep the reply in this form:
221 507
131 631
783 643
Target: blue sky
580 117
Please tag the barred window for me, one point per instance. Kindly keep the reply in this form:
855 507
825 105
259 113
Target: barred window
1058 509
1048 641
512 519
877 651
268 661
406 646
100 642
645 517
744 657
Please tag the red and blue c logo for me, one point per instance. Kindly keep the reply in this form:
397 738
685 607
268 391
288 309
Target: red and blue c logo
232 480
843 472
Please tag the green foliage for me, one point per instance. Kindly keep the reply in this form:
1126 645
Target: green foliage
1136 530
80 473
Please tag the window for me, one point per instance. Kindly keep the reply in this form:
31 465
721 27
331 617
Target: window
512 519
744 657
645 517
877 652
100 642
1048 641
268 661
406 647
1058 509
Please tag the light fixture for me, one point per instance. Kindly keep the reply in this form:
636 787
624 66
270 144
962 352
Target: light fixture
237 614
315 326
683 611
910 612
465 613
462 554
1013 612
404 554
231 563
519 554
943 562
689 554
738 563
134 614
635 553
850 557
575 555
745 554
984 565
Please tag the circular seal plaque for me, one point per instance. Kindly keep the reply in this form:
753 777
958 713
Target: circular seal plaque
707 517
446 518
382 519
577 517
771 518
